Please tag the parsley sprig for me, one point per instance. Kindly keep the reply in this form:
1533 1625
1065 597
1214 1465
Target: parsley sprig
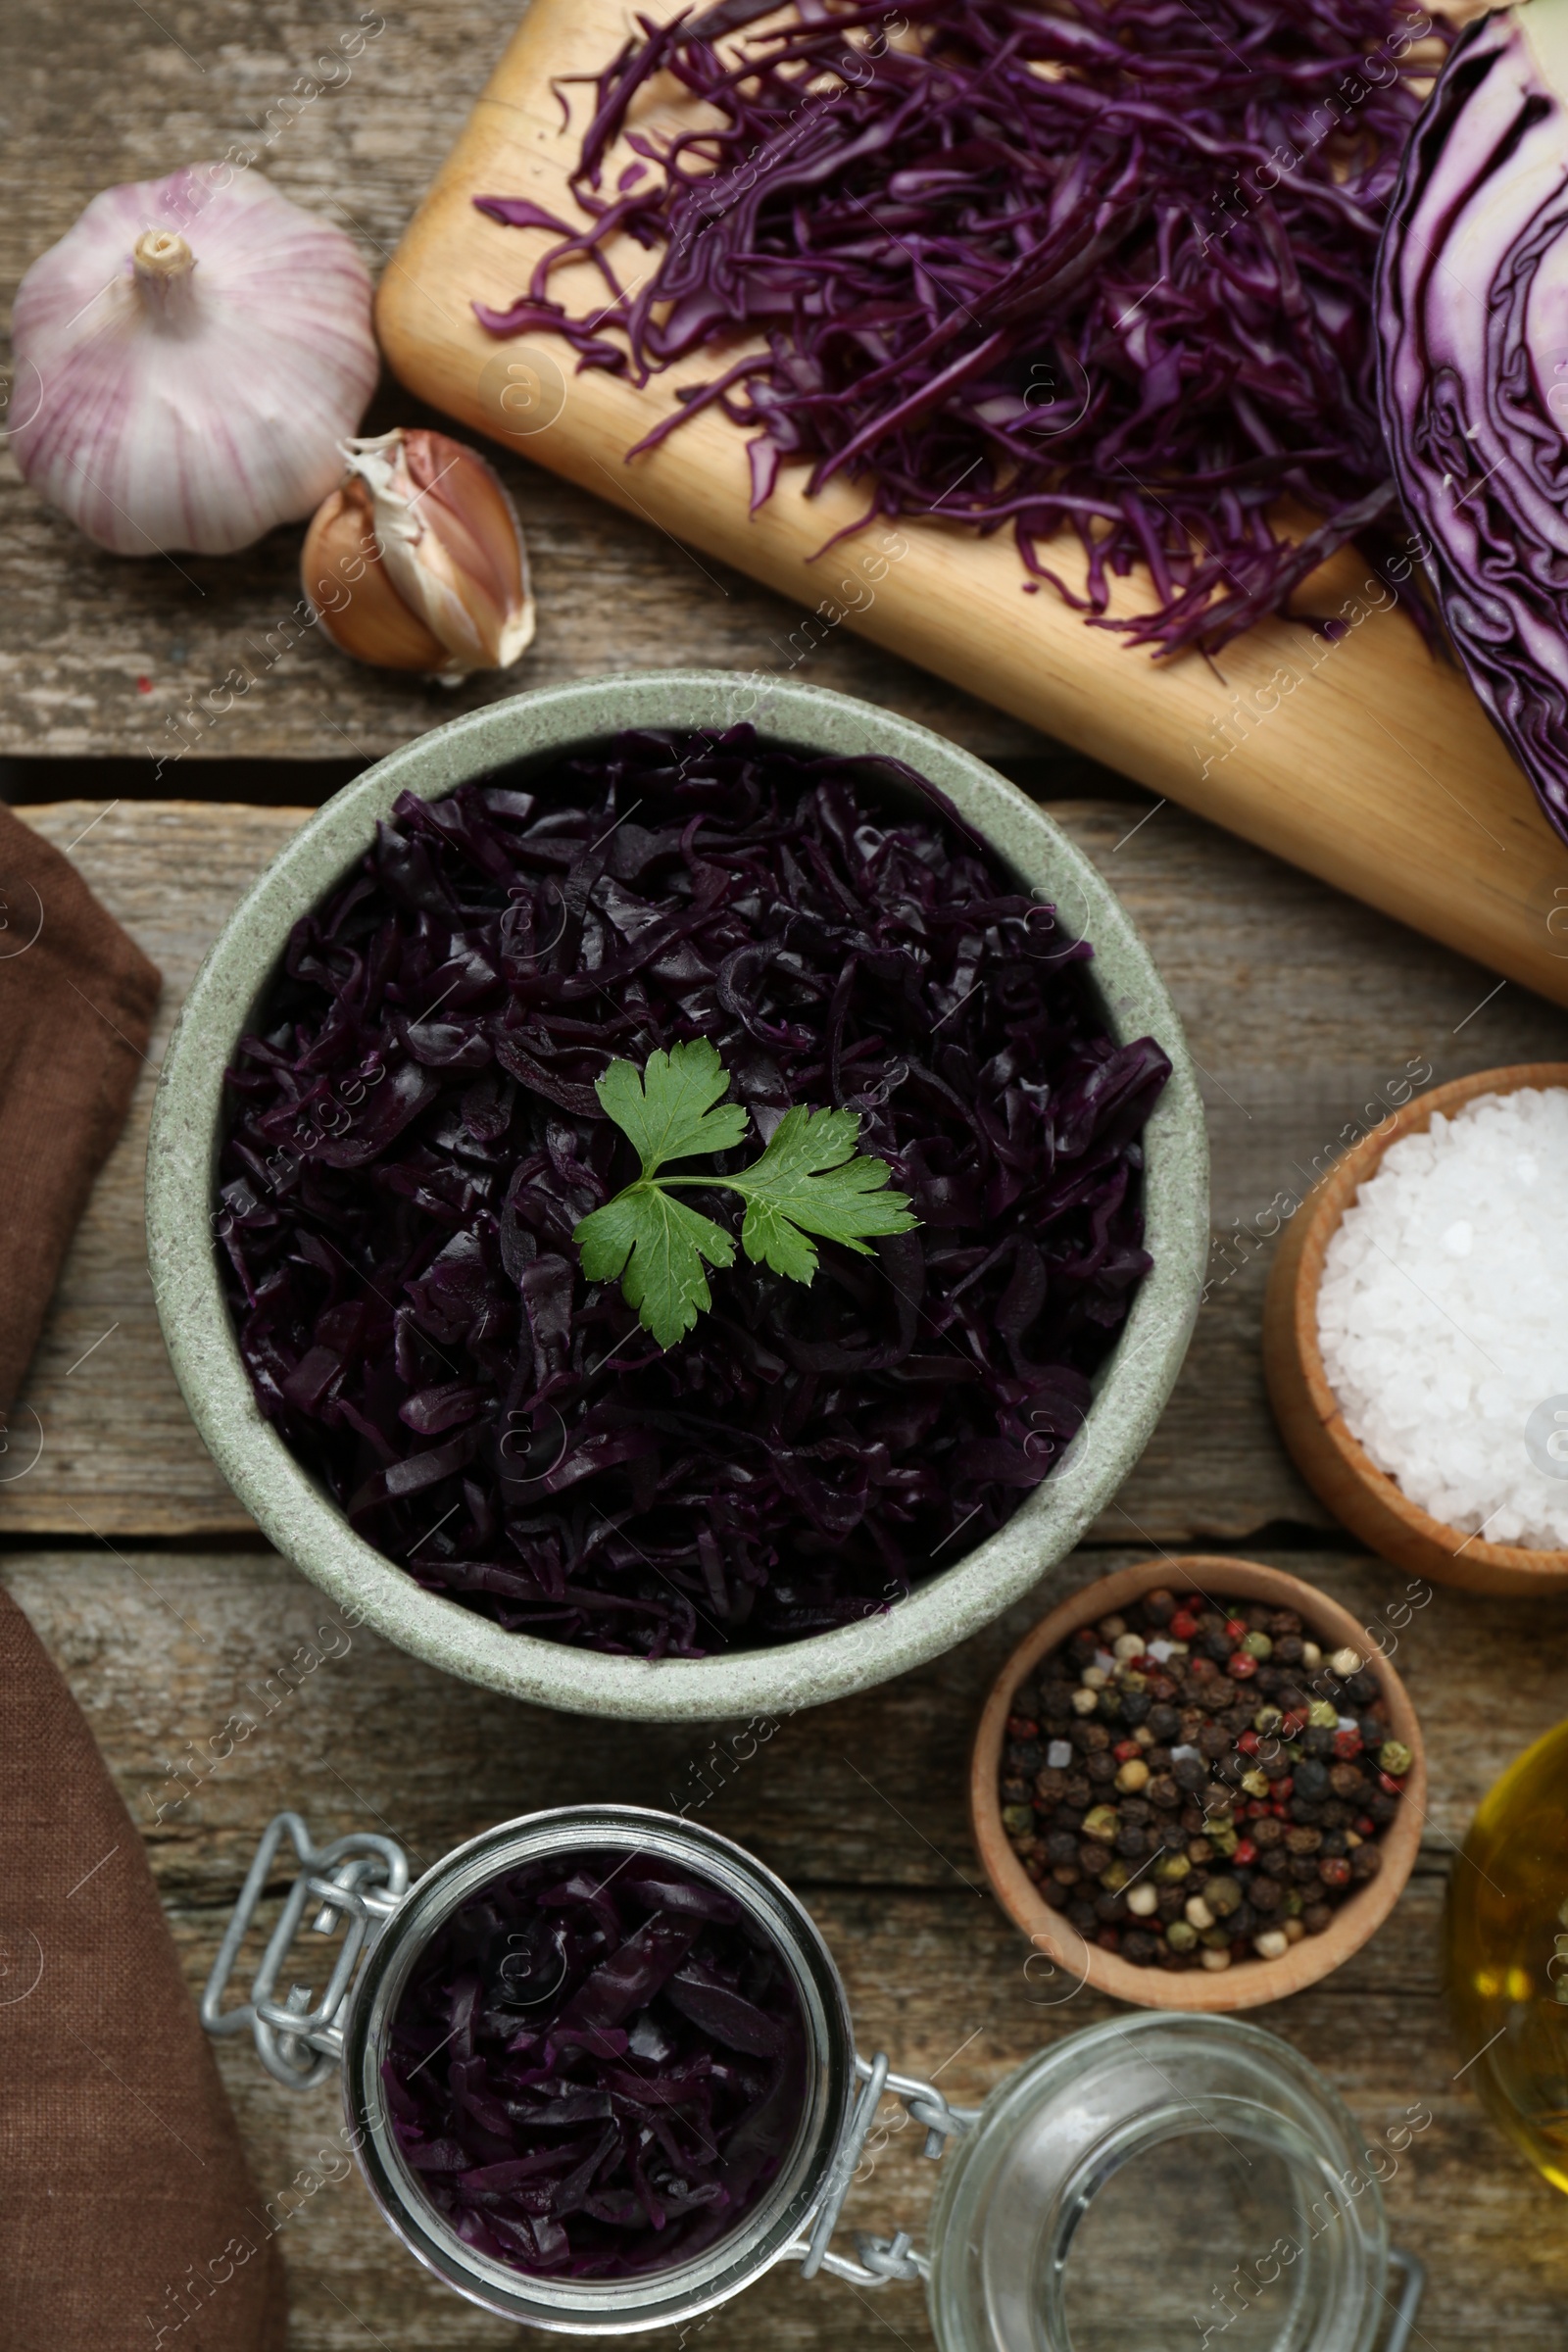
811 1179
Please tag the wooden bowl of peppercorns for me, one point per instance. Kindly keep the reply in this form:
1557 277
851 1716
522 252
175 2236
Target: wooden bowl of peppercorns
1218 1794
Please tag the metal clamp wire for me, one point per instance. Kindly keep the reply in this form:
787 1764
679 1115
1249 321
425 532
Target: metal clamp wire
881 2259
890 2258
1413 2286
843 2168
927 2106
358 1881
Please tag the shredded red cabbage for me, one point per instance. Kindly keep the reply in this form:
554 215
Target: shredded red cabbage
597 2066
415 1135
1104 268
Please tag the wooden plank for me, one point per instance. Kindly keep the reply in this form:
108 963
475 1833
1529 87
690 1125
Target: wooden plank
168 1649
1364 759
1299 1006
232 673
118 1451
105 656
862 1806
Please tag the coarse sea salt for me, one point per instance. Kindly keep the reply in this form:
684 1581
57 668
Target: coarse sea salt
1442 1314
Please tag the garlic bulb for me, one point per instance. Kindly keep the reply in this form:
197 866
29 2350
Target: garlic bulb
203 346
417 561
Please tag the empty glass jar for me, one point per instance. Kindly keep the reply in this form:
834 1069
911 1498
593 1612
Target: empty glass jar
1164 2179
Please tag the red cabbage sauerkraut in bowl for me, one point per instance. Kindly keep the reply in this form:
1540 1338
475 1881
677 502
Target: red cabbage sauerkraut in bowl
413 1135
380 1127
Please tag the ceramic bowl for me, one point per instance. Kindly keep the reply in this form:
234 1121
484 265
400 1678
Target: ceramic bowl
294 1511
1066 1959
1335 1464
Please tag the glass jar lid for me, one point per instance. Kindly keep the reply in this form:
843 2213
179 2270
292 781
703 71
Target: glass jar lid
1161 2180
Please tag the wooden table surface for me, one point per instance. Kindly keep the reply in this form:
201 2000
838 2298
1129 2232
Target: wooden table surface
166 1611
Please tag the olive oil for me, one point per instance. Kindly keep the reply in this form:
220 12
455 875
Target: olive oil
1507 1952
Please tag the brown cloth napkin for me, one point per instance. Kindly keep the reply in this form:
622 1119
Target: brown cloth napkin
77 1000
123 2195
125 2221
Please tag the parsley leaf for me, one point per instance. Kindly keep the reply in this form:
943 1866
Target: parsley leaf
668 1112
810 1180
657 1245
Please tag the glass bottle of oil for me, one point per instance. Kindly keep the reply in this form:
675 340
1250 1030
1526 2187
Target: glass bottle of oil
1507 1940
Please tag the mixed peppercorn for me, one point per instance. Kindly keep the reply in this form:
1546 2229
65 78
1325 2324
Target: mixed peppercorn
1196 1781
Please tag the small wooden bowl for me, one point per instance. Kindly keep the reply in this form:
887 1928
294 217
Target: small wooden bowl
1335 1464
1246 1983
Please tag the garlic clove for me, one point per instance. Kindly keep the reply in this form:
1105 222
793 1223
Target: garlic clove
356 604
451 544
476 528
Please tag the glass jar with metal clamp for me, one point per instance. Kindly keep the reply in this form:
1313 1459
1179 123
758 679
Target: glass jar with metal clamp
1046 2233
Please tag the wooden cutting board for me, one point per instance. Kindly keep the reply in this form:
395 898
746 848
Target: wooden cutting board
1363 760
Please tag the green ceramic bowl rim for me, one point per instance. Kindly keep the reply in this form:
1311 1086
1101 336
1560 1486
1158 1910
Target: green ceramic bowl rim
309 1530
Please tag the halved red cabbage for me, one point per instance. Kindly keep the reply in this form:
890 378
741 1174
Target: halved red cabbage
597 2066
414 1135
1473 330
